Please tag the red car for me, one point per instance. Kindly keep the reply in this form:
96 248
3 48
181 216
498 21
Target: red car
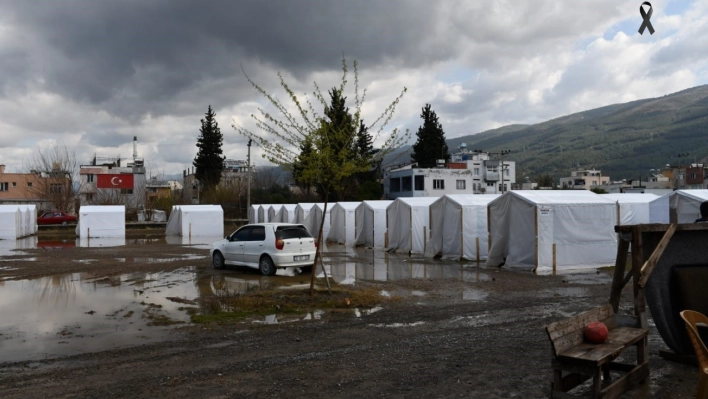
56 217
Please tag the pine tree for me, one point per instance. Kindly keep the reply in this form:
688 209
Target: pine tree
430 145
209 160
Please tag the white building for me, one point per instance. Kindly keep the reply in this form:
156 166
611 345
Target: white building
468 172
584 179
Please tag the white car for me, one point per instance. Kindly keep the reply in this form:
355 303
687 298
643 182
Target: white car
266 246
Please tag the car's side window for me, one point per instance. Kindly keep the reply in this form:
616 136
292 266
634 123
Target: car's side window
258 233
242 235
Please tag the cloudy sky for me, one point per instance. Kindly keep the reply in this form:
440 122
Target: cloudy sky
90 75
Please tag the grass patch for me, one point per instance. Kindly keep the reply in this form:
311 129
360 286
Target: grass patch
232 307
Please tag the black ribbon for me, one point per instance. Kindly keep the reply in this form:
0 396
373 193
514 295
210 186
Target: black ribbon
646 17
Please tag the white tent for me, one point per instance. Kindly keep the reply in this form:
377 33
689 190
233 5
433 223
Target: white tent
29 218
263 213
342 223
196 220
408 227
371 226
458 226
633 207
552 230
272 211
304 216
107 221
253 213
680 206
317 212
10 222
286 214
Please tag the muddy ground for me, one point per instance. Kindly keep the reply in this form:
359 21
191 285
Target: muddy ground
447 330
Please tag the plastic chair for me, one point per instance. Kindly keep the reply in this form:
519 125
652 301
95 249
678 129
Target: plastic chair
692 318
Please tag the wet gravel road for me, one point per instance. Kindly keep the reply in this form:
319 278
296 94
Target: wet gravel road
479 336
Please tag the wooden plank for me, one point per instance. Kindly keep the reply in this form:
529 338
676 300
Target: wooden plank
638 374
658 227
650 264
618 340
477 244
637 261
535 226
554 258
620 267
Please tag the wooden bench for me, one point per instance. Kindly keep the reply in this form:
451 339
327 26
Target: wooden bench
581 360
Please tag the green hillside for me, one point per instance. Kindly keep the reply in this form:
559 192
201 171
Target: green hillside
622 140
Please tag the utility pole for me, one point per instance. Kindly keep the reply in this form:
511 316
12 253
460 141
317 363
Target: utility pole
501 168
248 192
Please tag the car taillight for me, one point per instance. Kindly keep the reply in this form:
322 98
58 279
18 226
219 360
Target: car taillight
279 243
317 244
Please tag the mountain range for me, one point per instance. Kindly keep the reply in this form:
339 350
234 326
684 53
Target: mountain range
624 141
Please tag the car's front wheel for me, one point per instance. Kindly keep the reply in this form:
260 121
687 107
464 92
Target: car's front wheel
218 260
266 266
64 223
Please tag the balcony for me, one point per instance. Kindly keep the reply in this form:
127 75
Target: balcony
491 176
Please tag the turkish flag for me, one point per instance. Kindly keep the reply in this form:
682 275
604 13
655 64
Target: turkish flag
115 181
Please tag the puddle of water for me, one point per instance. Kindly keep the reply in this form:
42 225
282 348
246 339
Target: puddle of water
281 319
97 242
359 313
161 260
397 325
588 278
474 295
197 241
574 292
77 313
15 247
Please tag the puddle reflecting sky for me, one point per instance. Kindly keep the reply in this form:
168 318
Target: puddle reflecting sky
78 313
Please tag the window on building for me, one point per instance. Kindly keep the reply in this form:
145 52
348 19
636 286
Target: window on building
89 196
126 191
406 183
476 171
4 187
490 184
692 176
474 186
461 185
419 182
14 184
29 184
438 184
506 172
55 188
89 178
396 185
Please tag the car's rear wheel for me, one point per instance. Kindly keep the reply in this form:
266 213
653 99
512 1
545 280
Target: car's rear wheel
218 260
266 266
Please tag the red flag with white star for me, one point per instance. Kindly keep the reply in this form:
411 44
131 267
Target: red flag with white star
115 181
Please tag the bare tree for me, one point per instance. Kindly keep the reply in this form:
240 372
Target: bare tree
57 183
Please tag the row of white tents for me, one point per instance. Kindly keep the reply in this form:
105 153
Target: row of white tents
17 221
539 230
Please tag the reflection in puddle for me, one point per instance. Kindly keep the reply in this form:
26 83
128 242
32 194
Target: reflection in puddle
77 313
280 319
359 313
15 247
198 241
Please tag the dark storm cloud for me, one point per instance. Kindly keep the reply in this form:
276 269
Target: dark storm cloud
131 54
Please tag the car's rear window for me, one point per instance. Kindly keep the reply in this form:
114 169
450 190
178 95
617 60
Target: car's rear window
286 232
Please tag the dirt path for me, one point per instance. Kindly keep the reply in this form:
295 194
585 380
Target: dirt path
478 338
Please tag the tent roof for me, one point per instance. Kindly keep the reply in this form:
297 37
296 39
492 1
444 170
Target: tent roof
471 199
289 206
200 208
381 204
347 204
700 195
102 208
560 196
306 205
634 198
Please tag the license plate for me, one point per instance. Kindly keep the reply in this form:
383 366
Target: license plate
301 257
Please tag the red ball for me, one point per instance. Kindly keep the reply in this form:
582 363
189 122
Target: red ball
596 332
